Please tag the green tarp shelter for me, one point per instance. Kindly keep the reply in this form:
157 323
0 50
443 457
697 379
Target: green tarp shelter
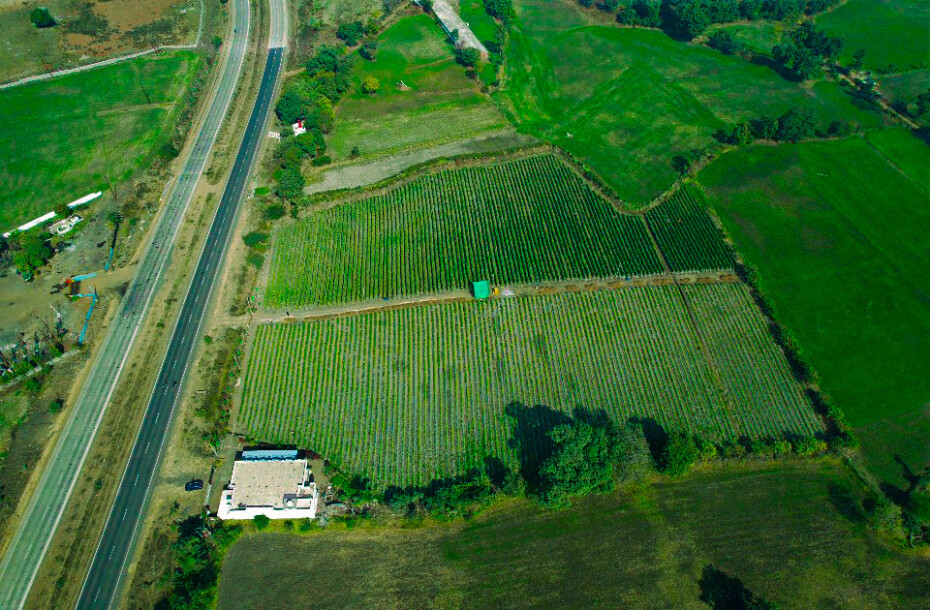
481 290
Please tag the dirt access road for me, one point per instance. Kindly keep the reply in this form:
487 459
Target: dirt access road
37 526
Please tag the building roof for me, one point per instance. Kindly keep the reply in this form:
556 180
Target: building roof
266 483
269 454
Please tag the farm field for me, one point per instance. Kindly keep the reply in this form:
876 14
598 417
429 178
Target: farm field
440 103
905 151
627 101
89 31
521 221
783 531
905 87
840 240
63 138
687 235
893 32
412 395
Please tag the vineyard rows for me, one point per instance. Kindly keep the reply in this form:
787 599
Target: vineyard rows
411 395
521 221
687 236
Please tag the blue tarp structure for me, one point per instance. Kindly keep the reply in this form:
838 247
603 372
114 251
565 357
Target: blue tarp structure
257 455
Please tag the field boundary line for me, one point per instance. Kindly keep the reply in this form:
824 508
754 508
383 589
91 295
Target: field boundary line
712 365
894 165
311 314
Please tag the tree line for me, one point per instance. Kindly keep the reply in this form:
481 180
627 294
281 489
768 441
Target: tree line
688 19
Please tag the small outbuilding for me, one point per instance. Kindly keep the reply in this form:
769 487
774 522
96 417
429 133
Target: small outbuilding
481 290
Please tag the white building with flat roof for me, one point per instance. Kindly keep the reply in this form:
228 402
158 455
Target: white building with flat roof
272 483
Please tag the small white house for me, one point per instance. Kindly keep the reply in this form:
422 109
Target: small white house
299 128
276 484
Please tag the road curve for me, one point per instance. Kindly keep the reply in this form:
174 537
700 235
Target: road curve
109 567
43 512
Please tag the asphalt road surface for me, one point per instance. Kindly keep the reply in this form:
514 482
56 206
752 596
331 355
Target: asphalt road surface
40 518
109 567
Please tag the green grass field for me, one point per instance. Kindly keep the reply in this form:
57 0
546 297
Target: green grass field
626 101
905 151
441 104
411 395
840 240
64 137
893 32
790 533
521 221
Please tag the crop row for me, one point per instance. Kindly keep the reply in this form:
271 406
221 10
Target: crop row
522 221
687 235
411 395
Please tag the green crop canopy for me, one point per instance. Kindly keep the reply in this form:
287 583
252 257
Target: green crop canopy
481 290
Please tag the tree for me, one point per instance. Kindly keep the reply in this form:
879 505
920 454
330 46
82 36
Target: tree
291 183
42 18
369 49
764 127
681 452
795 125
742 134
609 6
468 56
581 463
30 252
724 42
502 9
311 143
351 33
923 103
370 85
886 516
858 58
839 129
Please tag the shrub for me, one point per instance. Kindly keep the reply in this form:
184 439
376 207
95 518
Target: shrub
261 522
370 85
809 446
681 452
273 211
255 239
319 161
42 18
468 56
581 463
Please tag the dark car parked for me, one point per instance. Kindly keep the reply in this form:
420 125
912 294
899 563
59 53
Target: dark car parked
193 485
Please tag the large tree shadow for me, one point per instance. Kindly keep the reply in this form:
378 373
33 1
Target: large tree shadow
530 438
723 592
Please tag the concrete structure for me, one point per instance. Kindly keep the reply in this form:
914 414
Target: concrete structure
275 484
63 226
46 217
451 21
